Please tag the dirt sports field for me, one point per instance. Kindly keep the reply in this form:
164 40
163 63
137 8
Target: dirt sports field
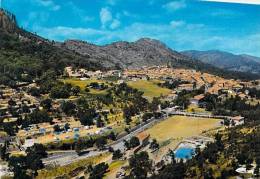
173 130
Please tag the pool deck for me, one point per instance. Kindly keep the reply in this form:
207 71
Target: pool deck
193 142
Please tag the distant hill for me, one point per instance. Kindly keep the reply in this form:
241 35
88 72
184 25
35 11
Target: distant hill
25 56
144 52
227 61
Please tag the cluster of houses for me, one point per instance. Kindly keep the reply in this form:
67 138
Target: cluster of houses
84 74
194 79
14 103
16 100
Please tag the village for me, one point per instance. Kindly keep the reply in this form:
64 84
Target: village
115 89
58 128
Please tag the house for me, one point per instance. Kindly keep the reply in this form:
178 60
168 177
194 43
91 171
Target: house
28 143
237 87
120 82
237 120
144 141
171 97
242 95
188 87
74 73
197 99
143 138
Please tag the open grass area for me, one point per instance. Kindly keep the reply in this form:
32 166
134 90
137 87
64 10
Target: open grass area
3 134
150 88
84 83
253 101
113 168
173 130
195 108
181 127
65 170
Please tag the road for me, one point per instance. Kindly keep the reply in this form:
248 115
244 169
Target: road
119 144
65 158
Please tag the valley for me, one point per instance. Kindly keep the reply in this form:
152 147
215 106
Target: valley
136 109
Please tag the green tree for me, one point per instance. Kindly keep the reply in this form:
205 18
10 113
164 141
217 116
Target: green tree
256 171
154 105
101 142
46 104
35 91
154 145
98 171
140 165
100 123
57 128
3 151
127 115
112 136
18 165
134 142
75 90
66 126
117 154
68 108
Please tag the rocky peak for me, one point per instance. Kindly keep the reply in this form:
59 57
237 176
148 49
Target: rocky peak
7 21
143 52
149 41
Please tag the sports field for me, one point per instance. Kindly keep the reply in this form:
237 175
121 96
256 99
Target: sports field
150 88
173 130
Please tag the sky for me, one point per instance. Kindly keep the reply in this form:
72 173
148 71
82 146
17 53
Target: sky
228 25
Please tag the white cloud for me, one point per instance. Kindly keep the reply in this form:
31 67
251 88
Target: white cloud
129 14
111 2
105 17
78 12
256 2
87 18
60 33
176 24
56 8
115 24
49 4
182 36
35 18
226 13
175 5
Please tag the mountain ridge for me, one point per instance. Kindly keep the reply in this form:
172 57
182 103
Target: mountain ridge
127 54
227 60
25 52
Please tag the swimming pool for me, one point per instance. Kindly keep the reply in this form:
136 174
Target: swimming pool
184 153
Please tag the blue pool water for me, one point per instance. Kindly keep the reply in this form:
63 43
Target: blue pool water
184 153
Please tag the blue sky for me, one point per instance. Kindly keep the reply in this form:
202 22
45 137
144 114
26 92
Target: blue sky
181 24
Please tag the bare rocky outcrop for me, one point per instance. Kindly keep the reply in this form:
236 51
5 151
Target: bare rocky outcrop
143 52
7 21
